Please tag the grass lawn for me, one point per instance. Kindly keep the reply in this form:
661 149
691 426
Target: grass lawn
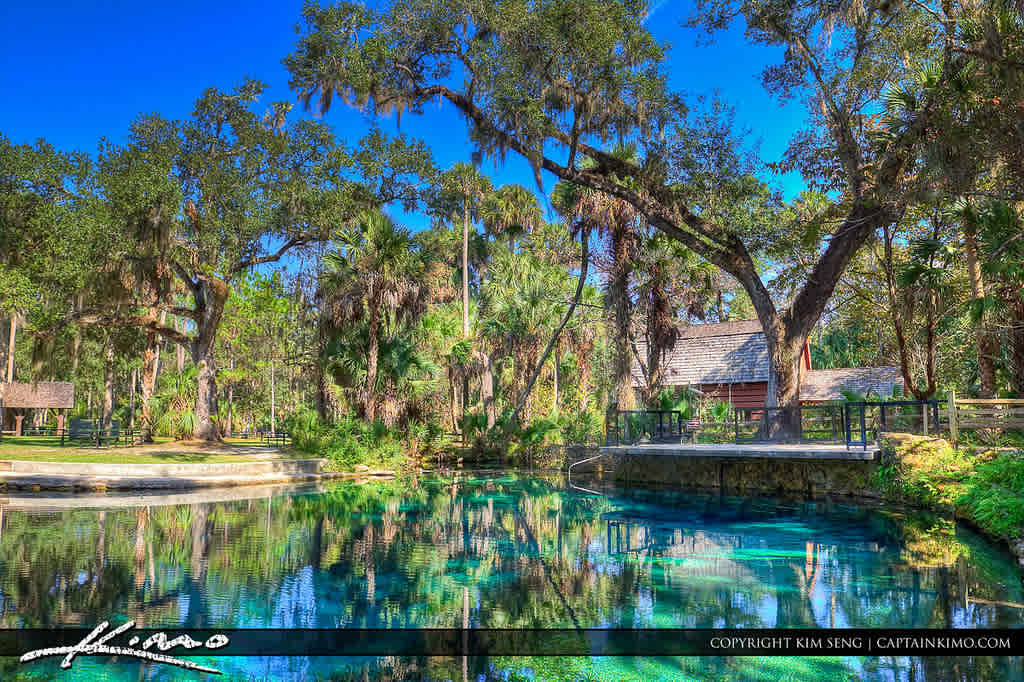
164 451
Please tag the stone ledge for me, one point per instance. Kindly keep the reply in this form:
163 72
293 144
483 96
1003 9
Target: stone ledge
100 483
169 469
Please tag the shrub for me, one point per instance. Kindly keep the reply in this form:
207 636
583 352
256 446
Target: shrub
985 488
347 443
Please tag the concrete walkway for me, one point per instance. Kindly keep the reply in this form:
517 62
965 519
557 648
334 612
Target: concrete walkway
748 451
71 476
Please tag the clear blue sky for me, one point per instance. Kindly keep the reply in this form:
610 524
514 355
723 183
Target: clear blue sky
74 72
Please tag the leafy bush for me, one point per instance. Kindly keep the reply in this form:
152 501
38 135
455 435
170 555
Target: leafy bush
985 488
347 443
173 406
993 496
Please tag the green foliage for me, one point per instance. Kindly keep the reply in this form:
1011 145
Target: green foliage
348 443
685 402
985 488
172 407
993 496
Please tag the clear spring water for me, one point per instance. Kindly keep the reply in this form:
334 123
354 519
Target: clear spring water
527 552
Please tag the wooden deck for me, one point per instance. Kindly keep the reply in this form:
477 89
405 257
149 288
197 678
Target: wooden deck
748 451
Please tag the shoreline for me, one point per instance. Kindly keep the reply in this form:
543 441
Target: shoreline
235 466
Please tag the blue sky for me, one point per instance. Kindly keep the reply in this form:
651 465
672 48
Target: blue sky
74 72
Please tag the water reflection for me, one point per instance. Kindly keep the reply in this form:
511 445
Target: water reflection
504 552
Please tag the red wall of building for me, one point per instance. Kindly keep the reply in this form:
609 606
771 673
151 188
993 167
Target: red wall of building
750 394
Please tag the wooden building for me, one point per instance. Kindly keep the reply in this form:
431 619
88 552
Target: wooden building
728 361
17 399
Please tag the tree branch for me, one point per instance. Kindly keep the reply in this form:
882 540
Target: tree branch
584 262
247 263
103 318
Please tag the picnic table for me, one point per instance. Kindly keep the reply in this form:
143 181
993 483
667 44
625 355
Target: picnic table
274 438
101 437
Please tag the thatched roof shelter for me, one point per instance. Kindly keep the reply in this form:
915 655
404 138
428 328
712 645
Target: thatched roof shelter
39 395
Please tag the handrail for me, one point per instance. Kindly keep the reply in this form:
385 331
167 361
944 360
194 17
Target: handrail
578 462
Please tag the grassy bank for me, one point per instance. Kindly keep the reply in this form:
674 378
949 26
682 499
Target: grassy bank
983 488
164 451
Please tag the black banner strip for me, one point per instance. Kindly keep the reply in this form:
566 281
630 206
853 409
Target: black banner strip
509 642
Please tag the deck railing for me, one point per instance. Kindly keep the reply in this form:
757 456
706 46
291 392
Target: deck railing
623 427
795 424
849 423
866 420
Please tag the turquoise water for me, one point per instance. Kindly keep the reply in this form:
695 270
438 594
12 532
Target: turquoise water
503 551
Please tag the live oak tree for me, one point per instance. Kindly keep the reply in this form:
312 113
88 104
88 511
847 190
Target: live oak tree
242 190
559 80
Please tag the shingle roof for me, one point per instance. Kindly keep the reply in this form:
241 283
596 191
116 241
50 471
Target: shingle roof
736 352
825 384
698 331
43 394
722 353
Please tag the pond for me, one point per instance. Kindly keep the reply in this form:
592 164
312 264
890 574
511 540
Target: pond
505 551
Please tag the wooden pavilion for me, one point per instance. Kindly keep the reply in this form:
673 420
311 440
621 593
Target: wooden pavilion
17 399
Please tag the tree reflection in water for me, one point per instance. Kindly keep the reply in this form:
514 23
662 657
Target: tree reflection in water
522 552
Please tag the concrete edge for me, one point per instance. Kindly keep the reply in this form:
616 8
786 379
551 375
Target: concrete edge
36 482
162 469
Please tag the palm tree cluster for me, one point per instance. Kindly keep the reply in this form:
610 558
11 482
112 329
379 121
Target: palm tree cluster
494 317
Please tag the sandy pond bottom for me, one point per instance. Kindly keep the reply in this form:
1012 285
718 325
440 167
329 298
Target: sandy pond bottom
522 552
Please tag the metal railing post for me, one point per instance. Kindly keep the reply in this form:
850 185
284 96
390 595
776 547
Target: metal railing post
952 417
863 427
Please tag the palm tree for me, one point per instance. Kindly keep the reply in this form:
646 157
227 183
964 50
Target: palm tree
672 283
464 188
520 312
511 210
618 221
374 278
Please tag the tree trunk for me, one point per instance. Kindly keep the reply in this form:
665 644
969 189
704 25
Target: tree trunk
1017 347
210 306
179 349
465 270
370 398
108 381
133 378
4 331
273 400
554 397
618 290
986 345
487 390
465 311
150 366
897 318
231 401
787 333
10 347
